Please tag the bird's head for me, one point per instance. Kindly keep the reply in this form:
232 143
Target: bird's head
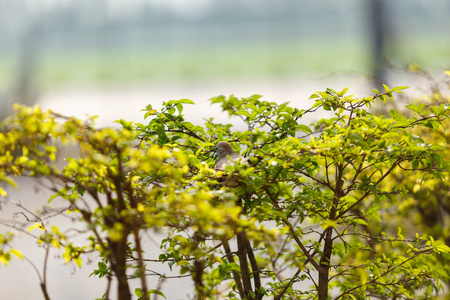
223 149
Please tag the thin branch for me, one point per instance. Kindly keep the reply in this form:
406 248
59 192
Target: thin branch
294 234
375 279
369 191
243 263
236 276
187 132
255 269
287 286
44 273
141 265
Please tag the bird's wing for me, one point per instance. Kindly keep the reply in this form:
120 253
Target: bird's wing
224 161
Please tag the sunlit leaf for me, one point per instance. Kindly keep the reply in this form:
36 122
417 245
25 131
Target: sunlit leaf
36 226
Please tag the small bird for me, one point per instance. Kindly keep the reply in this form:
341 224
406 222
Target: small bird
226 156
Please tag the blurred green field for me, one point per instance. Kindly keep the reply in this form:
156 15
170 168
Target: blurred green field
243 60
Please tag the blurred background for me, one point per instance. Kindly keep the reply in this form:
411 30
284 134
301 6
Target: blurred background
95 56
113 57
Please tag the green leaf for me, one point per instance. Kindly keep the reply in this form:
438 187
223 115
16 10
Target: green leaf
412 107
437 110
179 107
304 128
394 114
125 124
186 101
372 212
52 197
398 89
360 222
421 108
402 87
184 270
157 293
138 292
183 263
150 113
440 246
170 264
328 223
171 111
343 92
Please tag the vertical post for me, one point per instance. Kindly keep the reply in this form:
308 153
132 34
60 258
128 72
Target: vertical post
379 36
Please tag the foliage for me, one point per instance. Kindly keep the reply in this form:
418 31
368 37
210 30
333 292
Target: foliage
301 214
426 205
429 200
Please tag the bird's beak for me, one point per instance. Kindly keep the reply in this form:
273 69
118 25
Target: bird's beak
215 155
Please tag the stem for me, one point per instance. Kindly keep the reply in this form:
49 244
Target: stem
255 269
42 282
325 260
325 264
242 255
237 278
369 190
288 285
141 265
294 234
108 287
44 275
375 280
118 264
198 267
44 291
197 276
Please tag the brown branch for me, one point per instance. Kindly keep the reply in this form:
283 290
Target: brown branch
369 191
294 234
197 275
237 278
255 269
374 280
243 263
187 132
315 179
287 286
141 265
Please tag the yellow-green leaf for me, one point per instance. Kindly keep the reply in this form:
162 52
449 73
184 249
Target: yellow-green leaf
10 181
55 243
77 260
16 253
3 260
157 292
37 226
329 223
360 221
